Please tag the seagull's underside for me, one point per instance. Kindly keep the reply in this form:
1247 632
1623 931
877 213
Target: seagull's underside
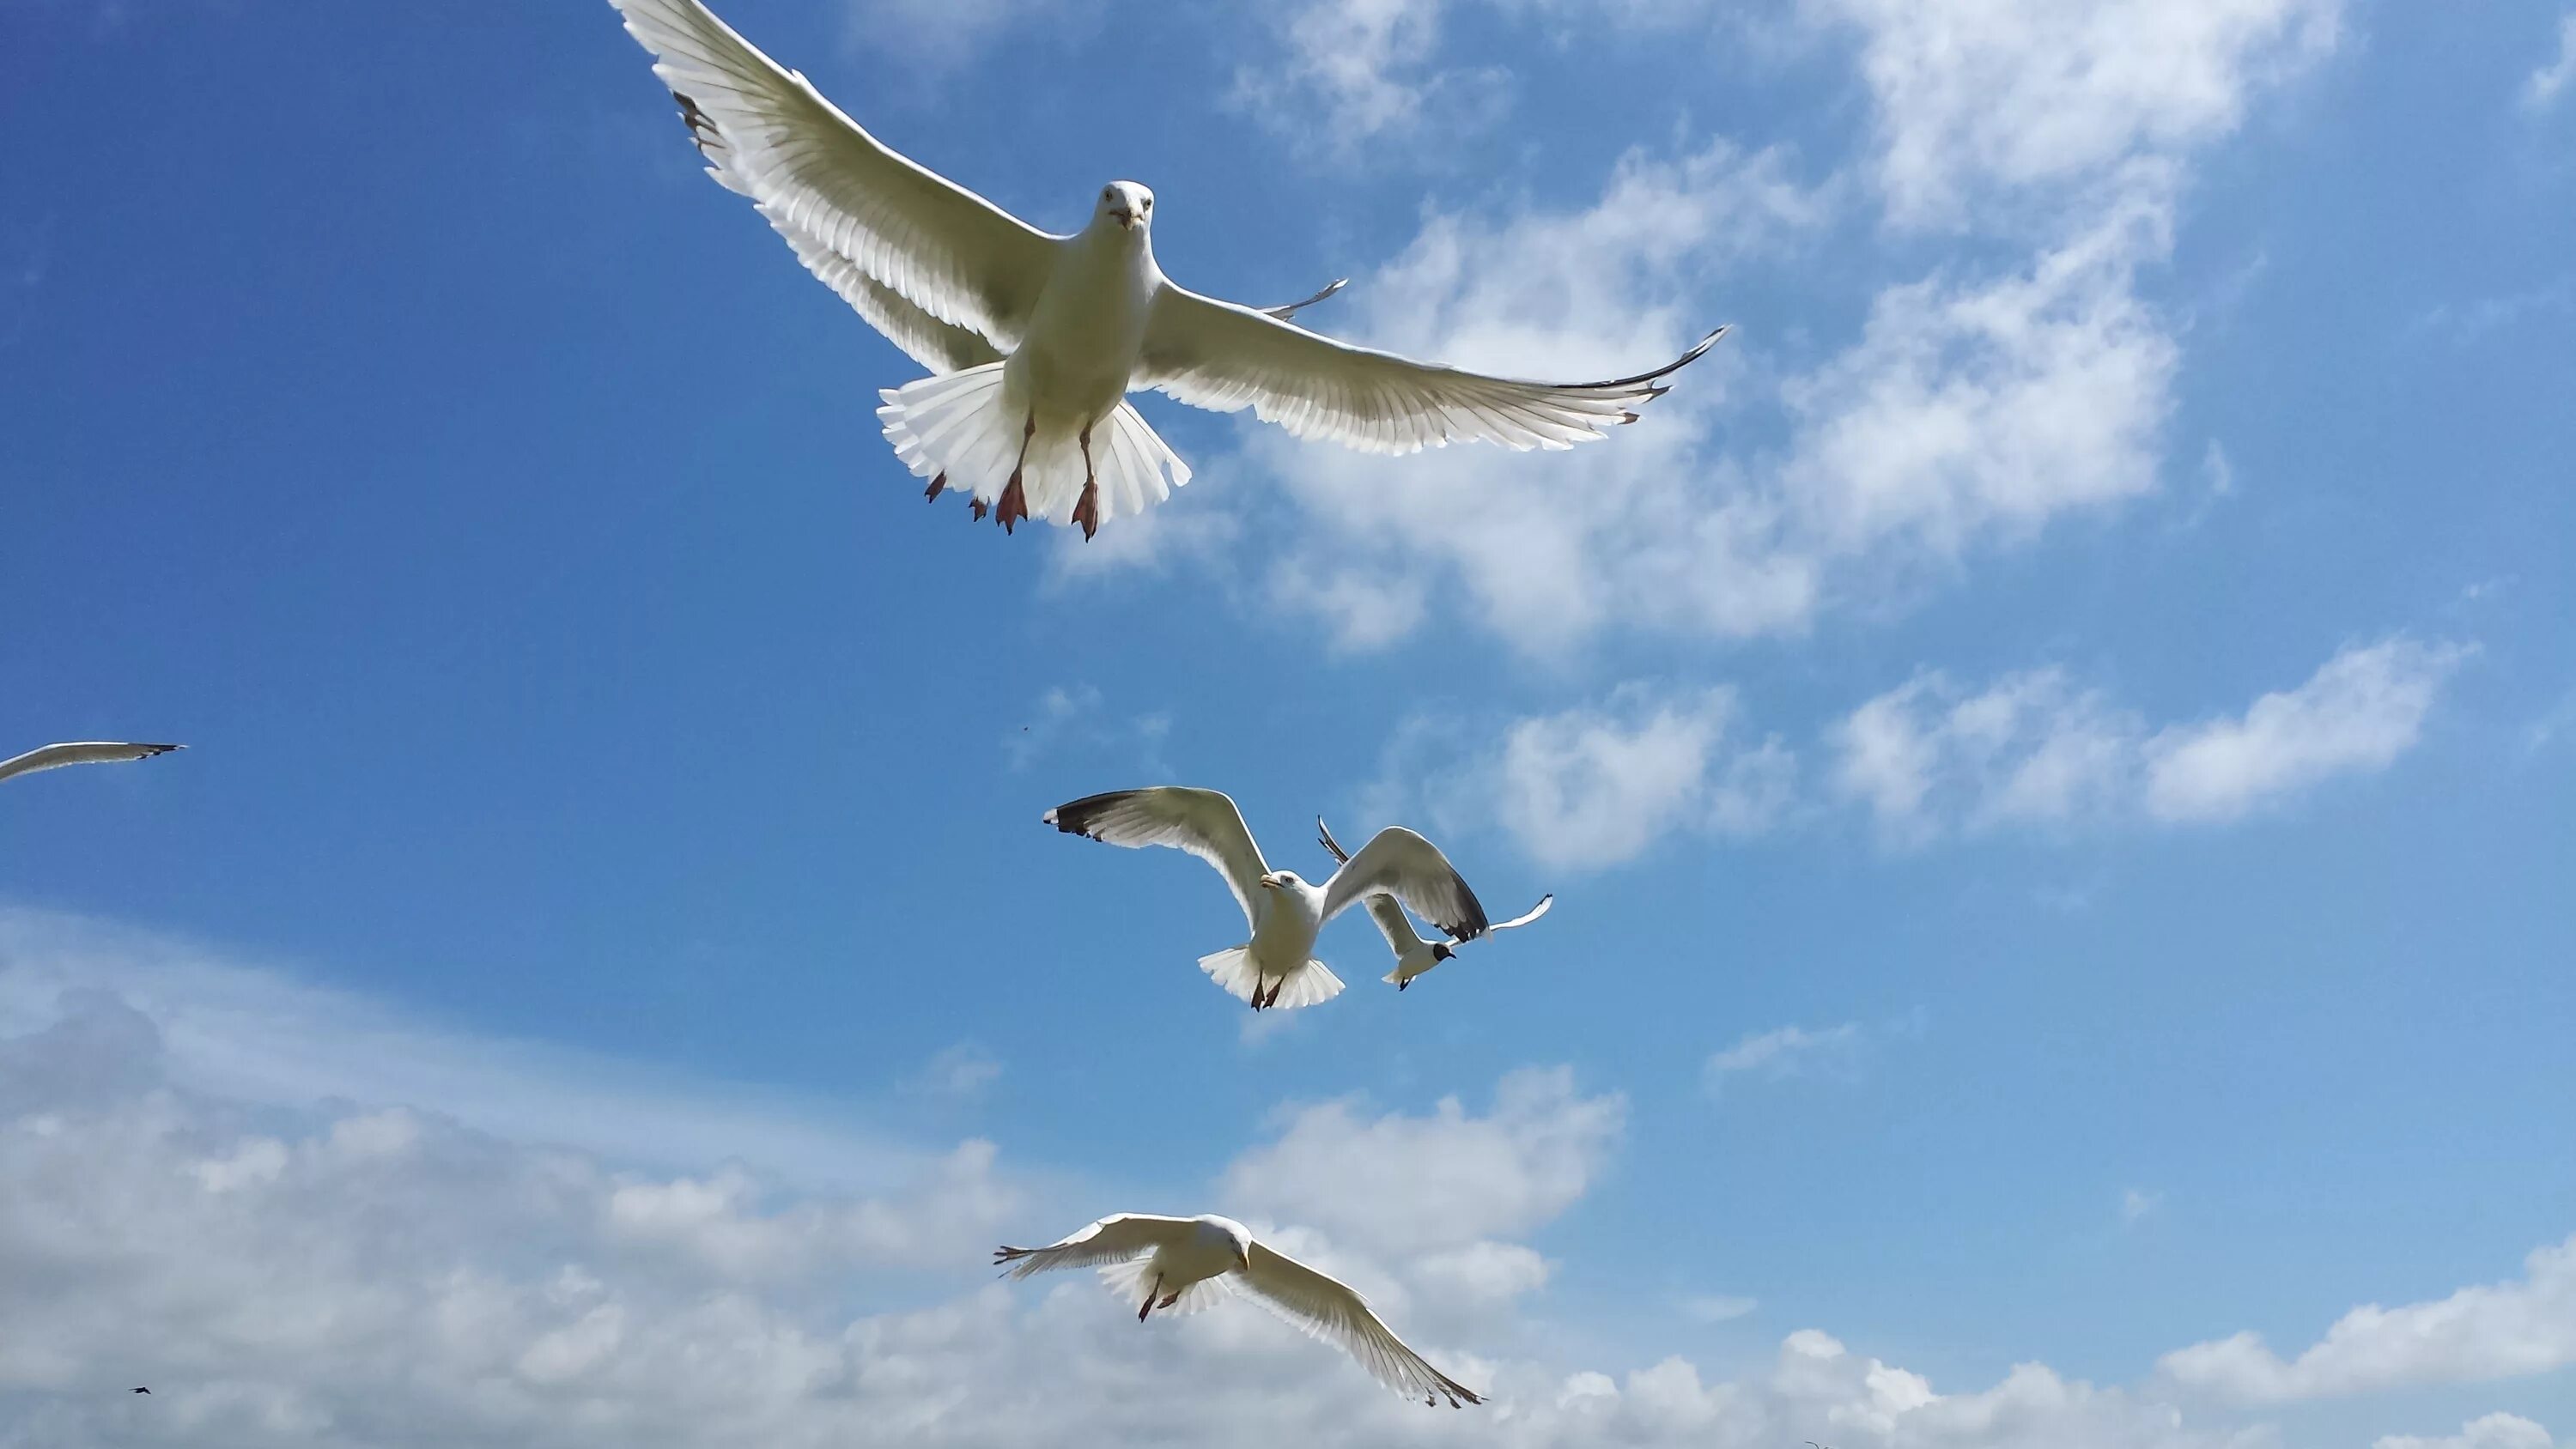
1034 340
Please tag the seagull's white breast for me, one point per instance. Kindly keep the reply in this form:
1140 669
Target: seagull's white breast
1074 364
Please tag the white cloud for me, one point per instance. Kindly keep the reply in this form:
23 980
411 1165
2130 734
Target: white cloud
1358 70
2356 714
958 1073
1787 1051
1401 1184
2492 1431
367 1273
1077 718
2541 91
2490 1331
2034 748
2136 1205
1718 1307
2021 93
1594 786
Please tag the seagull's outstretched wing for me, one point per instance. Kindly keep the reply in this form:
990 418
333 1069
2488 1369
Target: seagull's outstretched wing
1326 1308
1113 1239
1525 917
835 191
1399 863
1293 308
1202 822
1384 909
1217 355
82 752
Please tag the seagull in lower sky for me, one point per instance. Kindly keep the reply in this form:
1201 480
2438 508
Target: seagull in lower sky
1037 339
1284 911
1414 955
82 752
1184 1264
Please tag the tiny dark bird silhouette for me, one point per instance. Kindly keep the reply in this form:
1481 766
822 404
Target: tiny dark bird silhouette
142 1391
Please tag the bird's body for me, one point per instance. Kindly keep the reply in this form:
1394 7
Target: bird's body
1185 1264
1413 954
1035 339
80 752
1275 968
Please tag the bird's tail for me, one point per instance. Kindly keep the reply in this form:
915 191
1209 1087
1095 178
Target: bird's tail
1233 969
963 430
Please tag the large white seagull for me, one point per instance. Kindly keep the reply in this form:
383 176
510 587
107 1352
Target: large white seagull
1034 339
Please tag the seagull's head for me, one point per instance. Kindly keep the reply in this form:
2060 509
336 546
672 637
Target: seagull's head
1126 205
1280 880
1442 951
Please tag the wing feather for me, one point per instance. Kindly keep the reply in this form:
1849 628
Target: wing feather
1114 1239
1217 355
80 752
833 189
1203 822
1328 1309
1400 863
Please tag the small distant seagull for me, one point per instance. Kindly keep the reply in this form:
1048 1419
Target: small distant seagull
1036 338
1185 1264
1414 955
84 752
1285 912
142 1391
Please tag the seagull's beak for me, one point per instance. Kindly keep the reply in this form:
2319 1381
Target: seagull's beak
1243 1259
1270 882
1126 219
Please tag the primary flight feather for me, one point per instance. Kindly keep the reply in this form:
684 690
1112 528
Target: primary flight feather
1035 339
80 752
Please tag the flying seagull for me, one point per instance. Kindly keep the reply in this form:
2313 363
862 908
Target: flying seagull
1284 911
1185 1264
1036 339
84 752
142 1391
1414 955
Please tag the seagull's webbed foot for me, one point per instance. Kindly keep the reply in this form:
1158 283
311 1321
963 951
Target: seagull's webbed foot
1014 505
938 485
976 508
1169 1299
1148 1305
1087 512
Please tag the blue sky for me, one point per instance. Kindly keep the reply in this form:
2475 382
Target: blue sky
2054 746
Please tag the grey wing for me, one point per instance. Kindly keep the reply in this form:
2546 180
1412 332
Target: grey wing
1332 1311
1203 822
80 752
1217 355
1113 1239
1523 919
826 183
1384 909
1400 863
1293 308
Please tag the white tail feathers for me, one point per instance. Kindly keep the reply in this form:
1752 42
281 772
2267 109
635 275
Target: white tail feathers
1233 970
965 426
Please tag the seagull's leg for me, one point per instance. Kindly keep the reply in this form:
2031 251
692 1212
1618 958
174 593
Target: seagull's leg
1149 1298
936 485
1087 512
1015 503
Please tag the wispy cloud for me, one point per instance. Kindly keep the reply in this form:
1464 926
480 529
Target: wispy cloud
2136 1205
1718 1308
1787 1051
2491 1431
2542 89
2036 748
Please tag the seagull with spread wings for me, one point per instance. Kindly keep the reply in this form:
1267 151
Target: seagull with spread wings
1184 1264
1414 955
1285 912
1036 339
80 752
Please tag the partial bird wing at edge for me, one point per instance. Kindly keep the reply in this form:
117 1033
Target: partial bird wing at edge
1217 355
80 752
1329 1309
1384 909
1403 864
1203 822
1523 919
1114 1239
768 134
